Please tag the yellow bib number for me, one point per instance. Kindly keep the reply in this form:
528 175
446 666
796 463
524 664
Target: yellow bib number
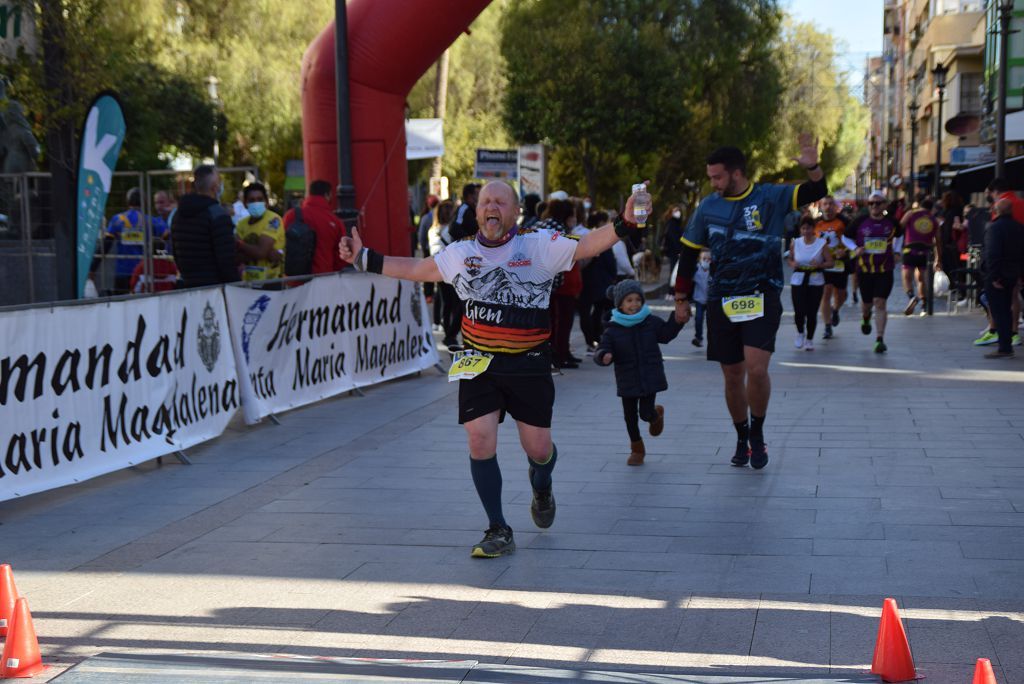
876 245
132 237
468 365
747 308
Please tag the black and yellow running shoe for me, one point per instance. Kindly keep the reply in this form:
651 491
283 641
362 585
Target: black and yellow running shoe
497 541
542 508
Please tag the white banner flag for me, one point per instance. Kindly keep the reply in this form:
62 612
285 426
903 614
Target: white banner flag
87 390
297 346
424 138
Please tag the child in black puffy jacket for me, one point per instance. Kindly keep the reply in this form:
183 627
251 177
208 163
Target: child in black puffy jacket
631 342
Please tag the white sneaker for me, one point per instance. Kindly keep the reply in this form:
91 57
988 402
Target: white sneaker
809 345
799 341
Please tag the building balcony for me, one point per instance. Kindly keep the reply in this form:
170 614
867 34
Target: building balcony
945 31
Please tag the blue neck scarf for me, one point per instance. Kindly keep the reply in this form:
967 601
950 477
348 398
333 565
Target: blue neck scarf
629 320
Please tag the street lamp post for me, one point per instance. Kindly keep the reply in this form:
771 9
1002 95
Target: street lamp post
211 88
1005 14
939 72
913 107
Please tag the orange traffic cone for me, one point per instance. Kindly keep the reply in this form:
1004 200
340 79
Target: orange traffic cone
892 661
8 595
21 650
983 672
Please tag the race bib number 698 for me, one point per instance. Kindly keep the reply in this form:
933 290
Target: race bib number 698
745 308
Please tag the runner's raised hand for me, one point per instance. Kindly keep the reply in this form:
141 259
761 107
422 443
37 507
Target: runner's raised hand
349 247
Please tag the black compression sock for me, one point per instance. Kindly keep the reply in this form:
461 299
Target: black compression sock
541 478
487 479
757 429
742 431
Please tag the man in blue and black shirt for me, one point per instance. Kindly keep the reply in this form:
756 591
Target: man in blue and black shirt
742 224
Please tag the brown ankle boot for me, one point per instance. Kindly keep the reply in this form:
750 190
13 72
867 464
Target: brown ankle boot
636 453
658 424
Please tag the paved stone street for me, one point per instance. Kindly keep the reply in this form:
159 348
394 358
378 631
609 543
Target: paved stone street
345 531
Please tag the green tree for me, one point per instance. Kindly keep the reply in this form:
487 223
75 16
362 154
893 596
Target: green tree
633 89
476 83
254 49
112 44
816 99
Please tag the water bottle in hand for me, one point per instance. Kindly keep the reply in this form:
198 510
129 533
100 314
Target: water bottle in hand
641 204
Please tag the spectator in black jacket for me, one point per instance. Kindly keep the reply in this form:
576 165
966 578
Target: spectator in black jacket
464 223
1002 262
204 235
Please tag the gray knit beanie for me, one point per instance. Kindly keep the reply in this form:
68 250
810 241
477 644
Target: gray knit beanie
618 292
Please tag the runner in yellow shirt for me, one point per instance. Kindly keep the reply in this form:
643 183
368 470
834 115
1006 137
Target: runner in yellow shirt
260 237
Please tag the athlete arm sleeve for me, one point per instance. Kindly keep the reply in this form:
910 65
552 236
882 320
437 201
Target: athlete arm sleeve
687 267
810 191
694 239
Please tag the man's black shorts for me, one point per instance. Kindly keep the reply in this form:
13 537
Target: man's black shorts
727 339
915 260
836 279
874 285
527 398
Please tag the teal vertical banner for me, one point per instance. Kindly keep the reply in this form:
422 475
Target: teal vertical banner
102 136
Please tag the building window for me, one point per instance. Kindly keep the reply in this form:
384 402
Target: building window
970 93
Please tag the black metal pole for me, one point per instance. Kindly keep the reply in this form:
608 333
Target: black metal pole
913 109
346 192
938 147
60 147
913 152
1005 13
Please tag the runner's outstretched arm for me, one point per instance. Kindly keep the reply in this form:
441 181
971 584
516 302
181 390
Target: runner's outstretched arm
815 188
351 249
604 238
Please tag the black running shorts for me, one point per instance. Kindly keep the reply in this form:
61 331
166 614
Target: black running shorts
874 285
836 279
528 399
915 260
727 339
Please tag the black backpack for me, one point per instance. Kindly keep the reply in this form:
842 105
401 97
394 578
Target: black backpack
300 243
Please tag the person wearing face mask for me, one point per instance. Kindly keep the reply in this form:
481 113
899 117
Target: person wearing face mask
204 242
671 244
261 237
701 280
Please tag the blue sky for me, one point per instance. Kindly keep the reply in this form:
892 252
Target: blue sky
857 24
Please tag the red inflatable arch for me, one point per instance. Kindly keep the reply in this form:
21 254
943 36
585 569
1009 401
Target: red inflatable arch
391 44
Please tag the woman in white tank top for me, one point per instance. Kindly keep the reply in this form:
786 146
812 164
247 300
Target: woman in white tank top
809 258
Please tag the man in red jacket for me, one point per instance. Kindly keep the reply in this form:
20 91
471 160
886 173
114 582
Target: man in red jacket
318 215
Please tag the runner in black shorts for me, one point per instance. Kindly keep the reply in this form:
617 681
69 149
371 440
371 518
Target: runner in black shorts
503 276
832 227
743 226
919 232
726 344
874 235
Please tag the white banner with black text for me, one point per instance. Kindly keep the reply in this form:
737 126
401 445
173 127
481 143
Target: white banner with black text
87 390
334 333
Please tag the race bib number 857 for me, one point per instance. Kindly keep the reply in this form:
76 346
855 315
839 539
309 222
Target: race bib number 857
466 366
